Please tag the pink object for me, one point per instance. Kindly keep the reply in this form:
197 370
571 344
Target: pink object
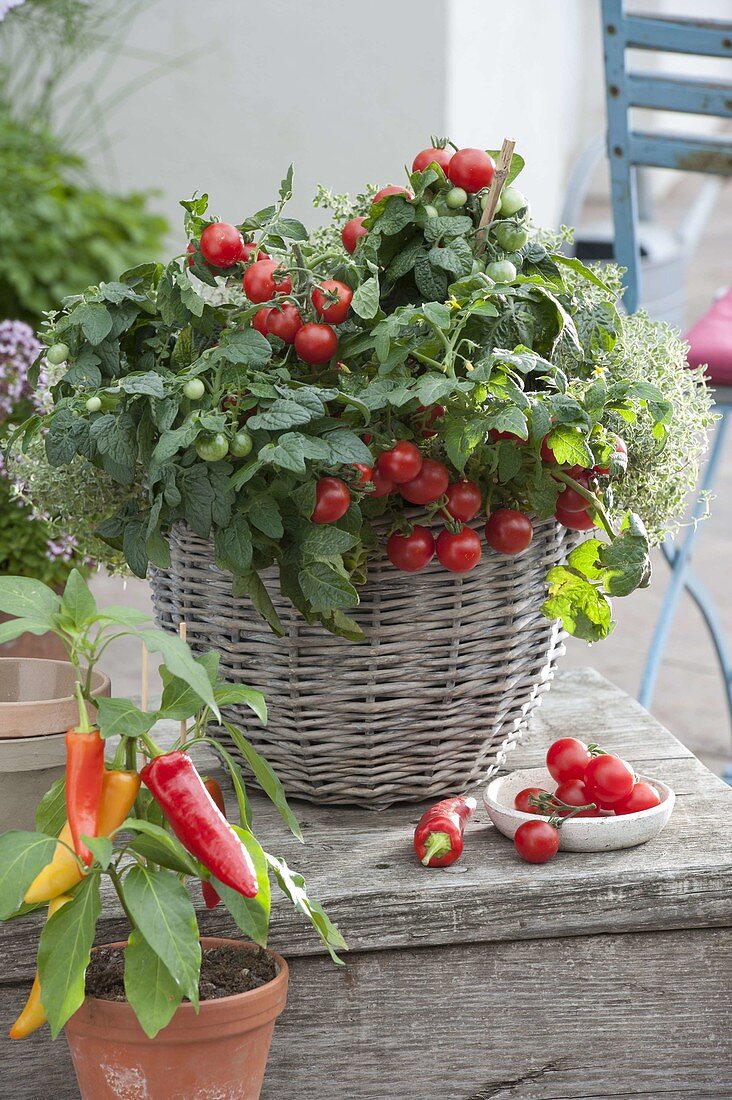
710 341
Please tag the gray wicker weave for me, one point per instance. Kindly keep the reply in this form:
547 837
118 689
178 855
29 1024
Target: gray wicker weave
430 703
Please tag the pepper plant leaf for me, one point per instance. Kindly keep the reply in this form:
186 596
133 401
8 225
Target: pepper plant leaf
150 988
266 778
250 914
64 951
25 598
22 856
293 886
51 810
157 844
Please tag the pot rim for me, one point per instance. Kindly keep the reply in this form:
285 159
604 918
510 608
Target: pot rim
102 687
268 996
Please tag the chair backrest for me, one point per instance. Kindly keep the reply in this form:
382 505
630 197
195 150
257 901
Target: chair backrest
627 147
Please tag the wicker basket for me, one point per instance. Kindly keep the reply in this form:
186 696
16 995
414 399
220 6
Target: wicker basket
428 704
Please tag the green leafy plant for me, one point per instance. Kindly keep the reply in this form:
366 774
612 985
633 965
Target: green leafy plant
267 419
148 855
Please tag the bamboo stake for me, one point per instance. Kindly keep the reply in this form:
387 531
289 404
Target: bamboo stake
183 635
494 191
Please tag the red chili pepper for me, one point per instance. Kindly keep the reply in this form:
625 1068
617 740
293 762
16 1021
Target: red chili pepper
209 891
438 838
84 775
198 822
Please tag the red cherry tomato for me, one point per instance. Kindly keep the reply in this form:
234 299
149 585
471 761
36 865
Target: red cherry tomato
285 322
574 793
570 500
642 797
435 413
430 483
471 169
521 801
392 189
249 249
459 553
536 841
508 531
366 474
464 500
402 463
316 344
432 156
567 758
496 436
546 452
351 232
412 552
620 449
259 320
332 500
608 779
575 521
335 312
383 485
222 244
261 283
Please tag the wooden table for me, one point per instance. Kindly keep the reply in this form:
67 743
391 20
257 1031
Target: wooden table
596 976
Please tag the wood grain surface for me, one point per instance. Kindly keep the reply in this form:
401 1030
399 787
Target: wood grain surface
597 975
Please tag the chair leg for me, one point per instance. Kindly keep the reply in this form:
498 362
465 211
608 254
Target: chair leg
701 597
679 557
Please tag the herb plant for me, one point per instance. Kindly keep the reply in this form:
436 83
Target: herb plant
100 824
297 403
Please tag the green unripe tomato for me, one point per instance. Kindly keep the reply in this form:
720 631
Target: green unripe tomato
511 236
484 203
194 389
512 200
456 197
93 404
431 211
57 354
502 271
241 445
212 448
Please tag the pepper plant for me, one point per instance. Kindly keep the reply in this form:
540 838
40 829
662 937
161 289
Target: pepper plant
144 820
279 391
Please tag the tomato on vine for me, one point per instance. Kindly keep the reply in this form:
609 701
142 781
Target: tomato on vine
608 779
93 404
460 552
316 343
330 310
569 500
332 500
251 249
383 485
456 197
464 500
429 485
435 155
194 389
573 792
511 237
261 281
212 448
365 474
58 354
522 801
471 169
620 449
284 321
241 445
259 320
402 463
351 233
536 841
508 531
391 189
222 245
413 551
567 758
575 521
642 797
433 414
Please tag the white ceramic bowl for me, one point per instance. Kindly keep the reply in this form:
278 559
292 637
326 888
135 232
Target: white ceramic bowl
585 834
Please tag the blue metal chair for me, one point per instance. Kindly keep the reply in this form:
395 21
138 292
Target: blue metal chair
627 149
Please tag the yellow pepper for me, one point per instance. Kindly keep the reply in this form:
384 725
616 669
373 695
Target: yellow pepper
119 791
33 1016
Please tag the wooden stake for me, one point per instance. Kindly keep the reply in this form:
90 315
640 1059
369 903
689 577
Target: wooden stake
183 635
145 688
494 191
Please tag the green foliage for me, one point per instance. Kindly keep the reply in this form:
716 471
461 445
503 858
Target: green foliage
58 231
544 356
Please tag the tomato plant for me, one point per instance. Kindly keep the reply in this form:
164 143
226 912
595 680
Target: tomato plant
194 389
413 551
512 201
383 485
315 343
392 189
471 169
241 445
332 300
263 279
620 449
429 485
567 759
464 500
400 464
212 448
351 233
434 155
365 474
456 197
259 320
222 244
58 354
510 236
575 521
284 321
508 531
459 552
502 271
332 500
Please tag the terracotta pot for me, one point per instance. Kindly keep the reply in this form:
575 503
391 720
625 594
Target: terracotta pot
46 646
219 1054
